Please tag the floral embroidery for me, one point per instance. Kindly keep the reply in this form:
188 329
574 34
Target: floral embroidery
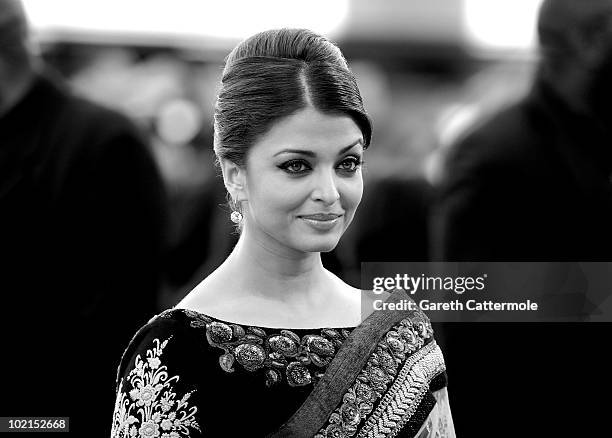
381 370
302 361
151 409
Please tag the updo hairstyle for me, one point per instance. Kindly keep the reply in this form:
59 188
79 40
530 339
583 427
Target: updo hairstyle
274 74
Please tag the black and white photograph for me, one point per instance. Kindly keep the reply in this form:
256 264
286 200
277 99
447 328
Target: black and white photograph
322 219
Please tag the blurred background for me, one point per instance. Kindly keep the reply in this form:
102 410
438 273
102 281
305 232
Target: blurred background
427 71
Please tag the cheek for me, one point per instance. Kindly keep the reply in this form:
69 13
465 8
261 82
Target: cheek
352 191
277 196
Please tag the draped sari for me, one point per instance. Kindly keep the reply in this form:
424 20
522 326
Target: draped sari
384 378
380 384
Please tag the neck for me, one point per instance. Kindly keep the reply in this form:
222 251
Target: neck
274 272
266 284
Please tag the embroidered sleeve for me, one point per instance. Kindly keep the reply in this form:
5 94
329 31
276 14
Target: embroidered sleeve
439 423
150 401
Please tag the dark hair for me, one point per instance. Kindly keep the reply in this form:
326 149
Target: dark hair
274 74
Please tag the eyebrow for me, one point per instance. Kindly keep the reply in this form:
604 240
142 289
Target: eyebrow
312 154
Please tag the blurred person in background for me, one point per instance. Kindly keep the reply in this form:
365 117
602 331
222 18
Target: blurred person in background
533 183
82 215
172 99
534 180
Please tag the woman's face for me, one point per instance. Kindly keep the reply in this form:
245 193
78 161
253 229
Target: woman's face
304 182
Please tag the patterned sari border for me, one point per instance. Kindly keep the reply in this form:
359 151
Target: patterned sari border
405 395
392 386
344 369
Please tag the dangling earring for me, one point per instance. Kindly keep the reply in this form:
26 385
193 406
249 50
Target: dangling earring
236 217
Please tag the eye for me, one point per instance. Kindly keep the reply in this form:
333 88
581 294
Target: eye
295 166
350 164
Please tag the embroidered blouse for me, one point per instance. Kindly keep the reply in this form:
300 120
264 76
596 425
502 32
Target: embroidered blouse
186 374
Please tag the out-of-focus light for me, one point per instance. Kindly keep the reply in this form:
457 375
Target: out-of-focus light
454 121
178 121
501 24
226 19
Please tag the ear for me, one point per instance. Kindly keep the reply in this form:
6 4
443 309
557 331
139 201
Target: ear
234 178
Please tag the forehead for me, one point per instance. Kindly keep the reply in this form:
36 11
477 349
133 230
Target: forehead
311 130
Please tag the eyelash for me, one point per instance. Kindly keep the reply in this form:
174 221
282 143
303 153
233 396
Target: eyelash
356 161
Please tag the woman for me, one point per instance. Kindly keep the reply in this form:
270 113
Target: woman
271 343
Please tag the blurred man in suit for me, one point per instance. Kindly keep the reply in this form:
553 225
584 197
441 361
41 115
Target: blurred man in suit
81 228
532 183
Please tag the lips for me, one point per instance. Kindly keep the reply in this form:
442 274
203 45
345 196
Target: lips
321 216
322 222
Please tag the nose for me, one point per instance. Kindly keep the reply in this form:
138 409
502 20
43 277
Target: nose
325 188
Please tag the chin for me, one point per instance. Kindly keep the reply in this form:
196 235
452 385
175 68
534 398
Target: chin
319 244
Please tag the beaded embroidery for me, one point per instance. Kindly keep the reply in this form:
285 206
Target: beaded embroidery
152 409
302 361
404 344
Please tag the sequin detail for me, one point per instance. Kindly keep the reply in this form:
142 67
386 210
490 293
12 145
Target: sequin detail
151 407
396 376
403 398
280 356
